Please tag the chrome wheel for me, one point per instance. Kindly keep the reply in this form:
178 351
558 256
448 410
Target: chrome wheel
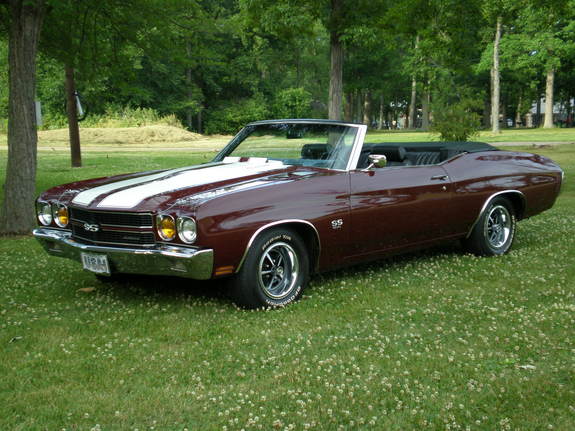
278 270
498 226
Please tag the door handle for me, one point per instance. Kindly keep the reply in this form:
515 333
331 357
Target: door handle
440 177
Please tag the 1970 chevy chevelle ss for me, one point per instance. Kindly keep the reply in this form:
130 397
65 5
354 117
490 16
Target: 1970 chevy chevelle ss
288 198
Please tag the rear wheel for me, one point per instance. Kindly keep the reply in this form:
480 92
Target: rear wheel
275 271
494 232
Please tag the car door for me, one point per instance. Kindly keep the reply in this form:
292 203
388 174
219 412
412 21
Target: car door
396 207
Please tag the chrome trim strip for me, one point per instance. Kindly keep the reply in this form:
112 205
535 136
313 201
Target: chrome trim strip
275 223
98 211
151 227
188 262
80 223
143 246
357 146
304 121
484 207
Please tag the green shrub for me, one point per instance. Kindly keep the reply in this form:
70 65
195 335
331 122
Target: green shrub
127 116
230 119
114 116
456 121
293 103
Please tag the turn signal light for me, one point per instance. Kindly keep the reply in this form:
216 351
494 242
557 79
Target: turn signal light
60 215
166 227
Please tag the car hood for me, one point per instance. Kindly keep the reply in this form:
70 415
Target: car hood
189 186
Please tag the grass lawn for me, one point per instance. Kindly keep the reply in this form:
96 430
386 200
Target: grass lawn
433 340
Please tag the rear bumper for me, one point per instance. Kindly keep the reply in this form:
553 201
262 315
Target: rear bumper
162 260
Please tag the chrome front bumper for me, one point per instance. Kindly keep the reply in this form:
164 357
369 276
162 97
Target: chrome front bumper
162 260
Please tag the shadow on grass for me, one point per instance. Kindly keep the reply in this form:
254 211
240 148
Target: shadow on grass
132 287
404 258
161 289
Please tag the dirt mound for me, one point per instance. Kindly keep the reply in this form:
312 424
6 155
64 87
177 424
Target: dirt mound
145 135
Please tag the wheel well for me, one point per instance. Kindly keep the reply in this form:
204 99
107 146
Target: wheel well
515 197
310 237
518 202
304 229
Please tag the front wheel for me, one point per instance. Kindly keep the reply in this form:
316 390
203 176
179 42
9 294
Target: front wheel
494 232
275 271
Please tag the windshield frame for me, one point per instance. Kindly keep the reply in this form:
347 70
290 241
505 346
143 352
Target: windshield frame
353 155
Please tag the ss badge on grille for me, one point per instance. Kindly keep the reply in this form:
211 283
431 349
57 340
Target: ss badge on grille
91 227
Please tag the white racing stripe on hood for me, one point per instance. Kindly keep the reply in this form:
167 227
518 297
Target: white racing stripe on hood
131 197
87 196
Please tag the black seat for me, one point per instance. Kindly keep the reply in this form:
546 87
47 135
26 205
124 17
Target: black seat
315 151
395 155
424 157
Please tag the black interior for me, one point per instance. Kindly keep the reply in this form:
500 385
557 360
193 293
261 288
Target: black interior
402 153
315 151
419 153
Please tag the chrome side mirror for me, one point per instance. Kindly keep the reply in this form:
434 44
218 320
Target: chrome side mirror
377 161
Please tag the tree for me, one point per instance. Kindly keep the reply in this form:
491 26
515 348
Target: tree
287 18
495 78
497 13
87 39
25 19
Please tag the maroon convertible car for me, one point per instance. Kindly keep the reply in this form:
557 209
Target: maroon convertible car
288 198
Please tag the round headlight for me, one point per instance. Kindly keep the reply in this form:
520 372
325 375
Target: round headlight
44 212
187 229
60 213
166 227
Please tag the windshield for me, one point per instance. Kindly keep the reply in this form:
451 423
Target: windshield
318 145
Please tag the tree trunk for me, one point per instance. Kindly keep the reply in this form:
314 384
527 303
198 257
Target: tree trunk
425 103
367 108
189 113
569 121
348 107
200 121
495 91
72 111
518 120
548 124
336 68
358 106
17 213
381 114
411 115
486 120
411 123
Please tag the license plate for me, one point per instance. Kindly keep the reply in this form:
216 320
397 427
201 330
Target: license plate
96 263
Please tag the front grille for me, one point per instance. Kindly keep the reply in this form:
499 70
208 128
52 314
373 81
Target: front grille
113 236
112 218
112 228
